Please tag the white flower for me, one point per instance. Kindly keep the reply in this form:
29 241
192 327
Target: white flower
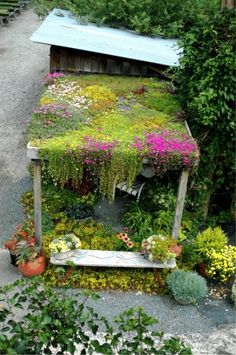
150 257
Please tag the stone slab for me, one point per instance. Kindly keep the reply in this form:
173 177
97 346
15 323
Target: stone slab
104 258
32 152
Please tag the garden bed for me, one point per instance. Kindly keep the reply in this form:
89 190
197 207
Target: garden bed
93 130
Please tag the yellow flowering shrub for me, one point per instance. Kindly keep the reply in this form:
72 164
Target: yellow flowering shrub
222 263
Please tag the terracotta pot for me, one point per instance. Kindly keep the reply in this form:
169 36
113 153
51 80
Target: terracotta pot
33 268
201 267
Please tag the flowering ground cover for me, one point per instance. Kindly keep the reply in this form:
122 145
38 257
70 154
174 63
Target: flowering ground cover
99 128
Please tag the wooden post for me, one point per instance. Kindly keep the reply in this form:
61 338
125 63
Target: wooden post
37 201
229 4
180 202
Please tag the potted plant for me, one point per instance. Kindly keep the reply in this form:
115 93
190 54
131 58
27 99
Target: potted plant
187 287
64 246
24 232
30 259
210 238
160 248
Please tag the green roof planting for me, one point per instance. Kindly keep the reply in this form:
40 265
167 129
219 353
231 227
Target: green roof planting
101 128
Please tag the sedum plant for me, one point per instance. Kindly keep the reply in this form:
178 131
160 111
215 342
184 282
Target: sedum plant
120 122
186 286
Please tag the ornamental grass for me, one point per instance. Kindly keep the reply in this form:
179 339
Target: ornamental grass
111 124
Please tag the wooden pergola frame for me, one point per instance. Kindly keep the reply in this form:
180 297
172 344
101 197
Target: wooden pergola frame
33 154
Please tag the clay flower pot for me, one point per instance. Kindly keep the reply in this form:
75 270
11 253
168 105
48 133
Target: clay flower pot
34 267
201 268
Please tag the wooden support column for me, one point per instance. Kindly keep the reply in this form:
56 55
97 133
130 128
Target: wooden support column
183 182
37 201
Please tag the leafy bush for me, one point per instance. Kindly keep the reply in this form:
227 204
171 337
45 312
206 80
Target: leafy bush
206 89
210 239
93 235
79 211
189 257
56 322
157 195
187 286
162 17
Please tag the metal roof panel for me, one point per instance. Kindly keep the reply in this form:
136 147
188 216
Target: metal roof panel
60 28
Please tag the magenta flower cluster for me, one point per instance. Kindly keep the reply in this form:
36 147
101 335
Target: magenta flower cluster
51 114
94 152
168 150
54 75
49 78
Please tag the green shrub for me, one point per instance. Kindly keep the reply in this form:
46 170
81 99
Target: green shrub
79 211
163 17
206 89
186 286
208 239
93 235
54 321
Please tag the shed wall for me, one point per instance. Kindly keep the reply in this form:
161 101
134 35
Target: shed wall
75 61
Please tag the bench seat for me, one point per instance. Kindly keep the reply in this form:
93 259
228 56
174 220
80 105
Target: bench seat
105 258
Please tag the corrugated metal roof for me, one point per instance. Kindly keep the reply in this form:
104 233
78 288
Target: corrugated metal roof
65 31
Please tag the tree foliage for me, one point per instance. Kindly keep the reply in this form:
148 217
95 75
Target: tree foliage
206 82
155 17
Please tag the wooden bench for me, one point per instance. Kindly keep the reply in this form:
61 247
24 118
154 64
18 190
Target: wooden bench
104 258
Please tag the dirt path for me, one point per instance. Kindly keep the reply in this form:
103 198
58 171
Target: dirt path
22 66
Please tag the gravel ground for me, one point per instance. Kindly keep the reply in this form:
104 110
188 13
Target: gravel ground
22 66
210 327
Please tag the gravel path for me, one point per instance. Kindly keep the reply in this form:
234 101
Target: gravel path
210 327
22 66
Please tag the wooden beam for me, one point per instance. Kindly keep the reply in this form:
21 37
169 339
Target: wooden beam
37 201
229 4
183 182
